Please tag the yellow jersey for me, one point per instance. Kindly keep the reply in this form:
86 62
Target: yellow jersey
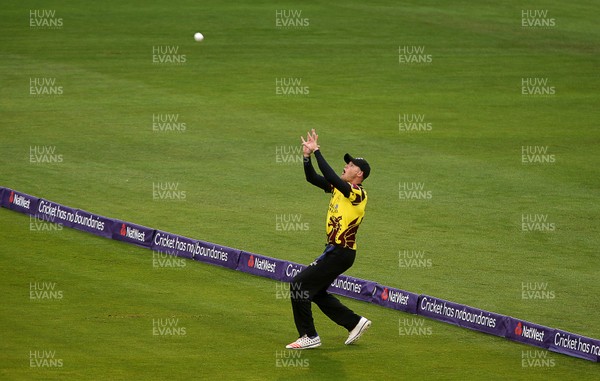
344 216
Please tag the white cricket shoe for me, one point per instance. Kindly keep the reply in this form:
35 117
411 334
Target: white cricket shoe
361 327
305 342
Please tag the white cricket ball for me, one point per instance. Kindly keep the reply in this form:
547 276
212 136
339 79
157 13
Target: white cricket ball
198 37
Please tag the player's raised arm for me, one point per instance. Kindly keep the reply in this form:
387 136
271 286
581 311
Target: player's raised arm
330 175
312 145
309 171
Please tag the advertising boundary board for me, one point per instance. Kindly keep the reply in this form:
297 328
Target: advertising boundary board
472 318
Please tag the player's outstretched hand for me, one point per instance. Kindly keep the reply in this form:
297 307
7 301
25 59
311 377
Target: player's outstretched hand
310 145
305 150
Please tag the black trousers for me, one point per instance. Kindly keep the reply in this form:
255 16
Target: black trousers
310 285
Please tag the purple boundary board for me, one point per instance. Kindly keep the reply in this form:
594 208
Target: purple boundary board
354 288
216 254
93 223
261 265
173 244
56 213
528 333
462 315
290 270
20 202
396 299
575 345
132 233
556 340
343 285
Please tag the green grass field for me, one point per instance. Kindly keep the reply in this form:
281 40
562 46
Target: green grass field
226 154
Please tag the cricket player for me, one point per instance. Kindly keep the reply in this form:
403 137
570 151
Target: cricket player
344 215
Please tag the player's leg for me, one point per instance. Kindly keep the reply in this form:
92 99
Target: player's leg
304 285
317 278
335 310
339 260
301 289
302 310
314 280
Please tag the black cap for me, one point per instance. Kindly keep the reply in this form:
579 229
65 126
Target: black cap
360 163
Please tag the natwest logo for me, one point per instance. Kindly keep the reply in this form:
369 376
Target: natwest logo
262 264
132 233
385 294
394 297
19 200
519 329
529 332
